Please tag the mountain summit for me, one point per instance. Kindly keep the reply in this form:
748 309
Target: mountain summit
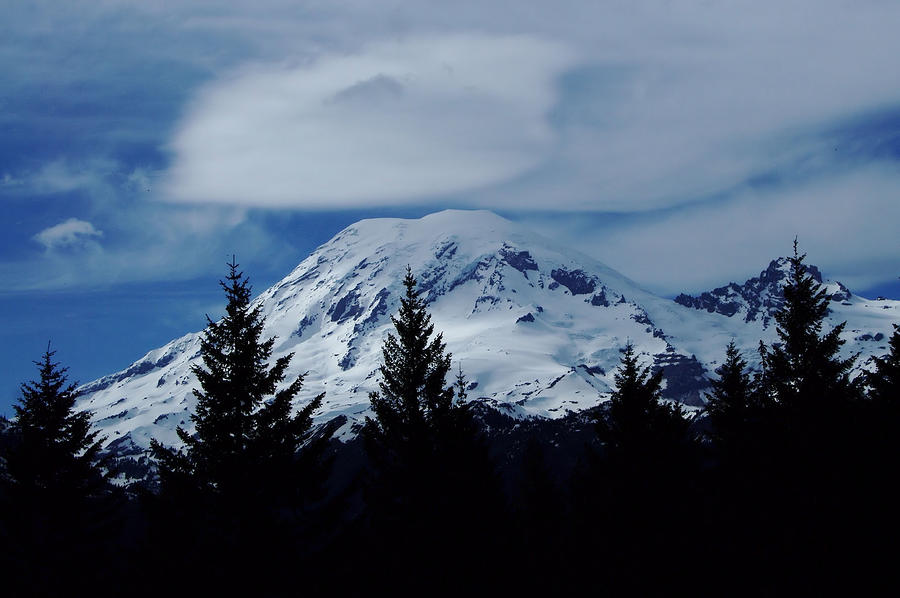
761 296
538 328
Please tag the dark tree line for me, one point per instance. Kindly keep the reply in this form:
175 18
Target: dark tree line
784 485
796 456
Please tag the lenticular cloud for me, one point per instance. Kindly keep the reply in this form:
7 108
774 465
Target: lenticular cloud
396 122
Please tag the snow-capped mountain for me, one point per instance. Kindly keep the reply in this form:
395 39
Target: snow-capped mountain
536 327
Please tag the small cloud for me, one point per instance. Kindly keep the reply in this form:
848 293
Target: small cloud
138 180
71 233
10 181
61 176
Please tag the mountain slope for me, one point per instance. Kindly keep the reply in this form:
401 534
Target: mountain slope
536 327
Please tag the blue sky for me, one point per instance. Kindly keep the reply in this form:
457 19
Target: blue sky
685 144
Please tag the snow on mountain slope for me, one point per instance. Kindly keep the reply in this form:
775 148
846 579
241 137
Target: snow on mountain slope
536 327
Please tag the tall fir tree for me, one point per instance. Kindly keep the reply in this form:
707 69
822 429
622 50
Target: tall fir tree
251 474
55 512
638 423
58 451
246 438
415 414
732 403
804 370
648 454
809 467
432 491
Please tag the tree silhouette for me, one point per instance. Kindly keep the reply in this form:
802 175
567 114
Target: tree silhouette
416 417
246 474
646 455
432 491
804 370
54 513
733 404
246 438
58 450
639 428
884 380
815 439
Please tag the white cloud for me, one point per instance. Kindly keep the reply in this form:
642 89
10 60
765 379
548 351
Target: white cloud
70 233
397 122
846 224
669 102
699 99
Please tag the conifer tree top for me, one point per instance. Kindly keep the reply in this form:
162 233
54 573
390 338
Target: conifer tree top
806 305
638 425
805 366
637 390
244 422
58 443
412 397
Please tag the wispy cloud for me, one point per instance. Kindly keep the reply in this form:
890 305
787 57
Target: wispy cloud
62 175
10 181
93 175
846 223
70 233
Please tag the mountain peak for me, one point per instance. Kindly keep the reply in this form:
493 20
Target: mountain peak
760 297
470 222
535 326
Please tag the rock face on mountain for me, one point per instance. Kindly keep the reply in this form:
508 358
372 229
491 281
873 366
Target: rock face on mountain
760 297
536 327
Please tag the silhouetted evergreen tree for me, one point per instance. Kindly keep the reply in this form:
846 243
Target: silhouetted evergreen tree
808 472
735 525
639 426
413 407
54 514
638 501
733 404
418 421
432 492
804 370
884 381
244 428
874 487
248 471
58 451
